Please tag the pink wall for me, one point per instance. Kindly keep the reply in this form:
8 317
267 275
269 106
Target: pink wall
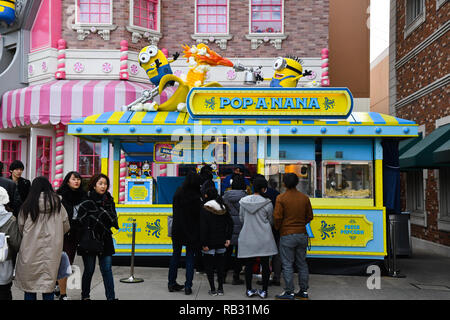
46 30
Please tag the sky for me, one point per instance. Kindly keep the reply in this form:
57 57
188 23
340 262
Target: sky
379 27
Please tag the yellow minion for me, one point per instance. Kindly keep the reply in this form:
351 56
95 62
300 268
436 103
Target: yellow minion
155 63
287 72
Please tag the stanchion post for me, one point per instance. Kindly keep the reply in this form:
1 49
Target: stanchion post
132 279
394 272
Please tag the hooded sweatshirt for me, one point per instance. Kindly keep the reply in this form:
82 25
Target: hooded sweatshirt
8 225
256 238
231 199
216 225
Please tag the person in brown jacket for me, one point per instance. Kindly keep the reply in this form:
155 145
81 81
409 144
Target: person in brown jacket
292 213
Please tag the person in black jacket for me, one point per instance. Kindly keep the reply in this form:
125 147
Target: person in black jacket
13 192
185 230
72 195
23 185
216 228
97 214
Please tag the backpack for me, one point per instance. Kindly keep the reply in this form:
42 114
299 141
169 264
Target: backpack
3 247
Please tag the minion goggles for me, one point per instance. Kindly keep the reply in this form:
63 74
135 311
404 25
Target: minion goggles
281 63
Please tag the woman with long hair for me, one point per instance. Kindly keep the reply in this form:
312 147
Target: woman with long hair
216 228
96 218
42 221
185 230
72 195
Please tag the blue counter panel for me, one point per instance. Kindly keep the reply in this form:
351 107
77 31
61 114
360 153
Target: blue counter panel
351 149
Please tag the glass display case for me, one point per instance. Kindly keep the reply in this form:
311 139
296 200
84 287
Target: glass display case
347 179
275 170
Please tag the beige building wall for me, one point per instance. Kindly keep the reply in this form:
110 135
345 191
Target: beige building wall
379 83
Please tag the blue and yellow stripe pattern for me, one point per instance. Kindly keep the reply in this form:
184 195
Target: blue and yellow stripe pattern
7 11
165 123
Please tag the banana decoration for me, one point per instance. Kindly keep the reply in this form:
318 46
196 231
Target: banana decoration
155 63
200 59
7 11
287 72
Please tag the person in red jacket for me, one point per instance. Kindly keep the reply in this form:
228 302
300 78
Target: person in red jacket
292 213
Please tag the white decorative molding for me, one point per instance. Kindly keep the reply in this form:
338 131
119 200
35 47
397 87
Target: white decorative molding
219 39
83 30
138 33
440 3
258 39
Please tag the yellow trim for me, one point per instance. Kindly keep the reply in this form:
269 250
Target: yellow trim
390 120
105 166
114 119
137 118
160 118
347 253
92 119
144 206
260 166
116 180
8 4
379 183
338 203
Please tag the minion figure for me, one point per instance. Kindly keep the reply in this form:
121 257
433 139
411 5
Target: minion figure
146 170
155 63
7 11
287 72
134 170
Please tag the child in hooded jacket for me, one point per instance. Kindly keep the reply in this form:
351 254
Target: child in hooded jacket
216 228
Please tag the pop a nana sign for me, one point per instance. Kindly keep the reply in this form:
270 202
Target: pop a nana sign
269 103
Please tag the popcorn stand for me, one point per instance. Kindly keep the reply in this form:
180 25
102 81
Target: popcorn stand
336 153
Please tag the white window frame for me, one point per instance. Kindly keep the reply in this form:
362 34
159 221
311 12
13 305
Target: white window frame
258 39
138 32
440 3
443 220
418 217
102 29
221 39
413 25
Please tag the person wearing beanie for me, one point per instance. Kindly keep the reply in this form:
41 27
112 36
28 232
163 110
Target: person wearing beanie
8 228
13 193
23 185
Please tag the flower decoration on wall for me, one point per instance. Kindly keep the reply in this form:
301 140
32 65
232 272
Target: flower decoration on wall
312 76
134 69
231 74
44 66
30 69
78 67
107 67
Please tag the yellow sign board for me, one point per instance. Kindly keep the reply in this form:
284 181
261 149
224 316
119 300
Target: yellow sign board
150 229
341 230
272 103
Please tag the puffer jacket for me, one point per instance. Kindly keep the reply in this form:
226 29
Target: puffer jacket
231 199
8 226
256 238
216 225
40 251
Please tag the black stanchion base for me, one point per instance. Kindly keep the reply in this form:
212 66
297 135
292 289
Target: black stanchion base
131 279
396 274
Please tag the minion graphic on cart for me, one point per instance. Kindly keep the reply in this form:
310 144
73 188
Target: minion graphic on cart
287 72
155 63
7 11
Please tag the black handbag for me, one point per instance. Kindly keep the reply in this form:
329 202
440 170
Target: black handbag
90 243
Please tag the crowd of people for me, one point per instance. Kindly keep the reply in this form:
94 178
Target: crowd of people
259 228
250 225
45 229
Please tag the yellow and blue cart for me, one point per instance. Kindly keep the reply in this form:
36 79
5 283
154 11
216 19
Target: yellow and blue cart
337 154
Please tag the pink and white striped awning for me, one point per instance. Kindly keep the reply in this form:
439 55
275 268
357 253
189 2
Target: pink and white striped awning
62 100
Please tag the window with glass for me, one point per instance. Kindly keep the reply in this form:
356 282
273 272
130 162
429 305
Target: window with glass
414 191
94 11
347 179
145 14
414 9
266 16
10 152
444 188
89 162
275 171
212 16
44 157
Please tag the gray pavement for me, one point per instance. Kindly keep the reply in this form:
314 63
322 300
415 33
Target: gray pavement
427 278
